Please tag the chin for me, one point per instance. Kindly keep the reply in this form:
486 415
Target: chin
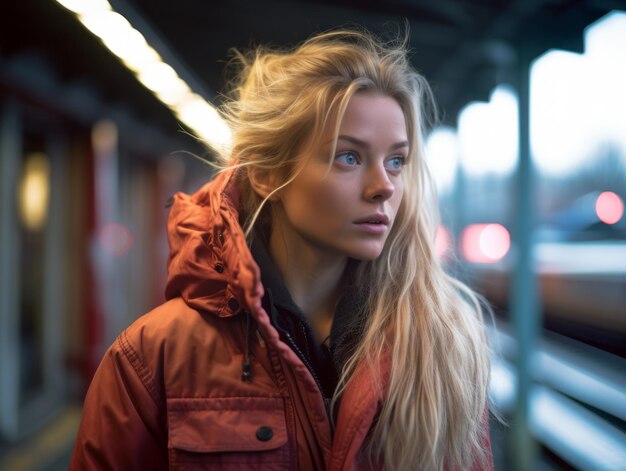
365 254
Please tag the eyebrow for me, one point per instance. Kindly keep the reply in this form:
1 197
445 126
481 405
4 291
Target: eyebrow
365 145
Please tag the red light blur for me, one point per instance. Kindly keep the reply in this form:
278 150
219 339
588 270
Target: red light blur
609 207
485 243
115 238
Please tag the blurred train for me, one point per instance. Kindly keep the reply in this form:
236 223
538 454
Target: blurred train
580 263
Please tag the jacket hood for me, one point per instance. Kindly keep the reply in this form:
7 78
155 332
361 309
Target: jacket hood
212 269
210 265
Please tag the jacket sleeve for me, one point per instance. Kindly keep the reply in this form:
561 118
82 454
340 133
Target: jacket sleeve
123 425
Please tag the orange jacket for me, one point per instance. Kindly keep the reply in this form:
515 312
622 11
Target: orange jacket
169 393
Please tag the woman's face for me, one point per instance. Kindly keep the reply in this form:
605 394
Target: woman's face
349 210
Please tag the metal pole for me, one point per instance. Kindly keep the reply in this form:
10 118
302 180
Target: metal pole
10 161
524 308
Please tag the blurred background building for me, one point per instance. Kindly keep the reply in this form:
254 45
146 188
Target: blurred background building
98 105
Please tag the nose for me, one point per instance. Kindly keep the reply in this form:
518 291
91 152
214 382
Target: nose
378 187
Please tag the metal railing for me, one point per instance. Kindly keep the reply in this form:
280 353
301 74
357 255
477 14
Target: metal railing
577 402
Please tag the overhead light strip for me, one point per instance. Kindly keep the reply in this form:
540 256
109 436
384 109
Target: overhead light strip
131 47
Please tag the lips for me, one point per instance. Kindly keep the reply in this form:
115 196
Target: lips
378 218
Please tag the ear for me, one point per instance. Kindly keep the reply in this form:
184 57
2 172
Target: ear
263 182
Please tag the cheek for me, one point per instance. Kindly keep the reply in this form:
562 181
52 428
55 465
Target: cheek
328 200
318 203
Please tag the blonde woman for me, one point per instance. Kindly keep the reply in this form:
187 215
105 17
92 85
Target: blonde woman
309 324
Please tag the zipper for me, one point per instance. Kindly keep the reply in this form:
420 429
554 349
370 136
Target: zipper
306 362
295 348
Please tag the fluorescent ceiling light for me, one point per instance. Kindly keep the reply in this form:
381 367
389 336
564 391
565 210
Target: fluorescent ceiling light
131 47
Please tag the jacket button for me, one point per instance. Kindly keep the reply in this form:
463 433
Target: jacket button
219 268
233 304
264 434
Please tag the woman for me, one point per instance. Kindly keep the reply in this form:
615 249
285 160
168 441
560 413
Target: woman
309 323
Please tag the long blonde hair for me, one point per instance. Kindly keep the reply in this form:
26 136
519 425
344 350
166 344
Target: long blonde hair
427 324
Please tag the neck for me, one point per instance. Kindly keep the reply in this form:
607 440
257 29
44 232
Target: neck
312 276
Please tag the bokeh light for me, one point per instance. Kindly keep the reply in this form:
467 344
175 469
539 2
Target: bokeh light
115 238
442 155
609 207
34 191
485 243
488 134
577 101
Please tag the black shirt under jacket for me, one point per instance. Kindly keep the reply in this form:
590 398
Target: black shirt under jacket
294 329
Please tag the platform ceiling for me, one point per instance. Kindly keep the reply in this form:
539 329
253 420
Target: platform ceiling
463 47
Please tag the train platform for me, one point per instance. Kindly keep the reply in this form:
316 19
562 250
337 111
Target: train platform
49 449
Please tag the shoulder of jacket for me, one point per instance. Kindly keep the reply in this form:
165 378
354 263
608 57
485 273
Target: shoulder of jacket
172 322
170 332
161 344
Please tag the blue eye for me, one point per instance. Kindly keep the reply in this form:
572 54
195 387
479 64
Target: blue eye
347 158
396 163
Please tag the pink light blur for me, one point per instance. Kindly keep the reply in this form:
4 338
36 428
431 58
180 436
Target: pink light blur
485 243
609 207
116 238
